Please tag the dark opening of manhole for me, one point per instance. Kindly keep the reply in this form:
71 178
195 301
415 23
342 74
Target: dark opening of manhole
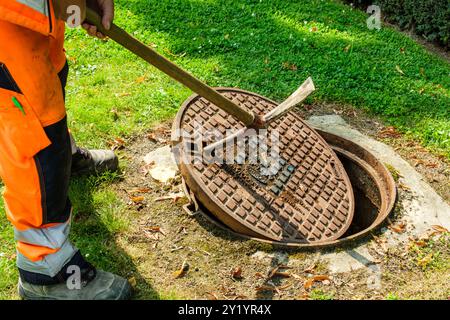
373 188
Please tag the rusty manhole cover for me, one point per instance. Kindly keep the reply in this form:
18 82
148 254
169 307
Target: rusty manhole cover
308 198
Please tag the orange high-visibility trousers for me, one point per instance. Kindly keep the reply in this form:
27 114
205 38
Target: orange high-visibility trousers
35 151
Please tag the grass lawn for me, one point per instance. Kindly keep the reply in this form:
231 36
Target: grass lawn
264 46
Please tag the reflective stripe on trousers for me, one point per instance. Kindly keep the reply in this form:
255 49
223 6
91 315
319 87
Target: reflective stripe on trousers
50 264
52 237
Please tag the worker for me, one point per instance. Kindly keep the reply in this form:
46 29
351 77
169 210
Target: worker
38 155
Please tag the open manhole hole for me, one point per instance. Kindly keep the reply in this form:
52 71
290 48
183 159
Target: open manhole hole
303 203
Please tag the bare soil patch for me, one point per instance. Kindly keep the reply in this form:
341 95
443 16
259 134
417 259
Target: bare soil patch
186 257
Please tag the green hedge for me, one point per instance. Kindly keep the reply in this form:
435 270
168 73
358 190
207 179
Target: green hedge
429 18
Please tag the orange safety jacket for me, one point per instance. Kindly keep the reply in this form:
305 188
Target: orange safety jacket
31 47
31 55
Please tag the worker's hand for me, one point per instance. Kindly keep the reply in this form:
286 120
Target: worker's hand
106 10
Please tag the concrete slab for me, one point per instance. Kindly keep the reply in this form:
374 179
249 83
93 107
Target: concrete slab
162 164
421 210
274 258
349 260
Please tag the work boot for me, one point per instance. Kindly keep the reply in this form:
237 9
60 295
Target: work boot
90 162
105 286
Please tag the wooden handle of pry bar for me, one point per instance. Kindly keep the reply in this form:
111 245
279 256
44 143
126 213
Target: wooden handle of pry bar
297 97
151 56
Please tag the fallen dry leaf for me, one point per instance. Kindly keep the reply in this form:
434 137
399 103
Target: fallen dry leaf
389 132
275 272
439 229
397 67
419 162
420 243
425 163
117 144
310 269
288 285
236 273
72 59
308 283
140 190
155 229
399 228
155 138
137 199
281 274
267 288
319 278
272 272
289 66
182 271
175 197
141 79
147 167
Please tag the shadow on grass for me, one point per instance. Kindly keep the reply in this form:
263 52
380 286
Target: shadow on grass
97 222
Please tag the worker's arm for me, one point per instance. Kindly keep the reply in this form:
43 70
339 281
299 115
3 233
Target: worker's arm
106 10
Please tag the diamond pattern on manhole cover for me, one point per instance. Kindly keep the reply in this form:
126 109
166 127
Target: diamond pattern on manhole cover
306 198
